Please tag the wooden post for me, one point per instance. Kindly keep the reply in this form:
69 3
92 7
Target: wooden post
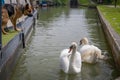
115 3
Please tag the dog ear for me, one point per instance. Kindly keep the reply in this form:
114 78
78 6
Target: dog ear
28 10
27 6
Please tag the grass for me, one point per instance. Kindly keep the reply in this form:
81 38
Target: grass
8 37
112 15
84 2
87 2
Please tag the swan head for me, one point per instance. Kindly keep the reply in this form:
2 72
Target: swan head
84 41
72 47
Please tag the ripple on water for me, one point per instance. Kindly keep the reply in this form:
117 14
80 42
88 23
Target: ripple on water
56 29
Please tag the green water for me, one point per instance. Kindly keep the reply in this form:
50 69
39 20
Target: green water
55 30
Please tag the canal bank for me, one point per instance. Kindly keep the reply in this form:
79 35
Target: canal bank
112 37
13 49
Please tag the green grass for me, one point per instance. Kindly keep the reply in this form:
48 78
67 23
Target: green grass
87 2
8 37
112 15
84 2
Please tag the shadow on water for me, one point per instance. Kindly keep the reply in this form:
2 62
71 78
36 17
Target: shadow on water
56 28
64 76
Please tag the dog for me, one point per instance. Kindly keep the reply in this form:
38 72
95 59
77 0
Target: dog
13 12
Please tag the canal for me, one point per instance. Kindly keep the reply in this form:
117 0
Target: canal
55 30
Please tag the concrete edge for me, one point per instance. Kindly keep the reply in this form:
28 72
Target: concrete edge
112 37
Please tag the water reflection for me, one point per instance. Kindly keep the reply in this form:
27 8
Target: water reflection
64 76
94 72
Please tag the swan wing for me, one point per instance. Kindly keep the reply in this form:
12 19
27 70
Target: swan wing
88 53
85 48
64 60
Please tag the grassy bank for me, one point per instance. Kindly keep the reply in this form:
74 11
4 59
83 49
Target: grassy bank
87 2
84 2
8 37
112 15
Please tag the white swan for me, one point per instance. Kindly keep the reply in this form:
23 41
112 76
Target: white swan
70 60
89 53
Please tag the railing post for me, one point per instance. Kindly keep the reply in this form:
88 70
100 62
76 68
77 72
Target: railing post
34 22
23 38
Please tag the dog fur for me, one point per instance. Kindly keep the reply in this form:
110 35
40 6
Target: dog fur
13 12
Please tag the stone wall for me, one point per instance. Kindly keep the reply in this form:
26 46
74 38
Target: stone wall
113 39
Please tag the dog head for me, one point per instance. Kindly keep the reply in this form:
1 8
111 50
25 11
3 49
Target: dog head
28 10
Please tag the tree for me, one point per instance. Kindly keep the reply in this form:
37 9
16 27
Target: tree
115 3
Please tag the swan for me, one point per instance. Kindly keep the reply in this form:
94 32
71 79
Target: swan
70 60
89 53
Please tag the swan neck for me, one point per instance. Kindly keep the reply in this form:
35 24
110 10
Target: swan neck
72 56
71 64
74 51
